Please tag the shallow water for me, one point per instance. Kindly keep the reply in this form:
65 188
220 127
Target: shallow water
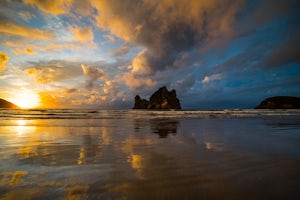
91 154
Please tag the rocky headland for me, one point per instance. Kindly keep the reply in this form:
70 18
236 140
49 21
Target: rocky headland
7 104
162 99
280 102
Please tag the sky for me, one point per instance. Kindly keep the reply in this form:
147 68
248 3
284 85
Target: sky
101 53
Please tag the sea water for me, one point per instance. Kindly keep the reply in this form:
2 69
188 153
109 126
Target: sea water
138 154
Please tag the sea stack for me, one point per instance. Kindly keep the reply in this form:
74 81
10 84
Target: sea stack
162 99
140 103
280 102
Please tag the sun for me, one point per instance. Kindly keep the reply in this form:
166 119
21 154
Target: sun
27 99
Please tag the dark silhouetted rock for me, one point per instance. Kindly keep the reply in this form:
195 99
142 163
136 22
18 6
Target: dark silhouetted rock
140 103
161 99
7 104
280 102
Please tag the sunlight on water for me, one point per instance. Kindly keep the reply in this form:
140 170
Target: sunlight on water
149 158
22 127
21 123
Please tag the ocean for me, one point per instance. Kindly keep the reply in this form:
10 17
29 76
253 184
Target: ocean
138 154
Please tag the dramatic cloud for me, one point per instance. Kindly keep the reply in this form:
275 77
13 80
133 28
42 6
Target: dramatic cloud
102 53
284 54
123 50
83 7
166 28
3 60
54 71
183 85
92 74
55 7
137 82
141 65
11 28
71 84
274 8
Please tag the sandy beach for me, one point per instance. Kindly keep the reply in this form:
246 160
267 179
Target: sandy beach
78 154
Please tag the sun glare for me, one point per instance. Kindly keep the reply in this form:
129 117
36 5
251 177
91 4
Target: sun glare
27 99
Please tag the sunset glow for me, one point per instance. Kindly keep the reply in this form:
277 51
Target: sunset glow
100 54
27 99
149 99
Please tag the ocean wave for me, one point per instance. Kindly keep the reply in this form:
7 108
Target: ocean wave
6 114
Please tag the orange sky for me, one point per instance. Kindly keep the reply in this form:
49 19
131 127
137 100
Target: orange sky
90 53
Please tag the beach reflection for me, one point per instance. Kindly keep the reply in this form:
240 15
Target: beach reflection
161 127
141 159
12 178
66 149
164 127
22 127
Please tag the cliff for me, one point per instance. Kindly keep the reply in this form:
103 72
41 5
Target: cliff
161 99
7 104
280 102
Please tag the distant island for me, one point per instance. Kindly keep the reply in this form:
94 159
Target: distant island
7 104
280 102
162 99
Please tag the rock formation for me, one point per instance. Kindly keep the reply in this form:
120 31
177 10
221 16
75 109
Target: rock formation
140 103
7 104
161 99
280 102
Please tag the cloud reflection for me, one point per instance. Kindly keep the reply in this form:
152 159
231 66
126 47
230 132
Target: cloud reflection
41 149
12 178
117 158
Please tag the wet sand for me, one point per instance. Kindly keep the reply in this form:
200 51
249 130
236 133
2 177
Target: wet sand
150 157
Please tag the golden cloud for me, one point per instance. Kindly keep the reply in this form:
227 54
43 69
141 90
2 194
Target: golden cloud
54 71
49 100
140 64
116 23
83 7
44 75
3 60
55 7
167 28
83 35
15 29
62 97
26 51
46 47
150 14
135 82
